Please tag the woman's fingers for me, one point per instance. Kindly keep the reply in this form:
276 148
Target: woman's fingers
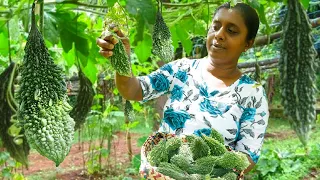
106 53
105 44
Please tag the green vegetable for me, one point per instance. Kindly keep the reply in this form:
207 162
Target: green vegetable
216 148
297 66
161 40
230 176
43 108
84 101
158 154
217 136
128 110
181 161
199 148
120 59
233 160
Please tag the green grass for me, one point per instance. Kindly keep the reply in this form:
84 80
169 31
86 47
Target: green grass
277 125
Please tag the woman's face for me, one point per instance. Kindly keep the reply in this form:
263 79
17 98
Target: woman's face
227 37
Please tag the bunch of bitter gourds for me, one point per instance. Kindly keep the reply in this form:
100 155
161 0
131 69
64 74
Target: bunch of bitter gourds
196 157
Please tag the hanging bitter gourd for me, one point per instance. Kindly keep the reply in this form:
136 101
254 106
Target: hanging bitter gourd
119 60
128 110
297 71
161 40
84 101
43 108
17 147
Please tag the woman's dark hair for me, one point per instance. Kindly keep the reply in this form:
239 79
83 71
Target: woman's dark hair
250 16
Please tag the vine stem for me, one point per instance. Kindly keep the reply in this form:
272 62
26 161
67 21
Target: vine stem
10 98
9 44
41 24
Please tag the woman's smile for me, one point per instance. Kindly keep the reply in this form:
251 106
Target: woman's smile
217 47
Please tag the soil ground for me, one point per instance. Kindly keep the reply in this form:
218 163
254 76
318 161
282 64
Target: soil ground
72 167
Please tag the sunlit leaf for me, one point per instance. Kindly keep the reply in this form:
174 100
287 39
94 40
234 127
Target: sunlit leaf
110 3
184 38
305 3
143 48
91 71
4 51
145 8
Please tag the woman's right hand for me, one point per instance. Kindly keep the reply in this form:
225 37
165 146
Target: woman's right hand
107 44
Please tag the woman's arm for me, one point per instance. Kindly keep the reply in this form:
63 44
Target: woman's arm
129 87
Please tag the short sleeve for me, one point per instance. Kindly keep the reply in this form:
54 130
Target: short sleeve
158 82
253 124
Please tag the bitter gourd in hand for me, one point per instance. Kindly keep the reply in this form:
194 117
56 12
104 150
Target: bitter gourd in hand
119 60
43 108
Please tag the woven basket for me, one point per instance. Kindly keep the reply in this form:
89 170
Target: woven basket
150 172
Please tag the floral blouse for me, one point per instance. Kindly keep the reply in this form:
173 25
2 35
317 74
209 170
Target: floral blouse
239 112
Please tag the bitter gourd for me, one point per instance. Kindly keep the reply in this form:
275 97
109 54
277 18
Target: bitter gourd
161 40
119 60
297 71
84 100
43 108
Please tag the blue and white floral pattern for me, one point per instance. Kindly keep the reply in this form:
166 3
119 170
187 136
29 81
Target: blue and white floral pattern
159 82
175 119
239 112
176 93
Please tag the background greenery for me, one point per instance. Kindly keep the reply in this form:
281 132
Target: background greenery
70 30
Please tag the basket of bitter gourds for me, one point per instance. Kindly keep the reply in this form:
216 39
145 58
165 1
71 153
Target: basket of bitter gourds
191 157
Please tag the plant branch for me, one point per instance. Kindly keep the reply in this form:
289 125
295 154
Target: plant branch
88 10
263 40
260 63
76 3
9 45
168 5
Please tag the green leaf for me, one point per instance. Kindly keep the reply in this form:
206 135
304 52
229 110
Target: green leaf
143 48
72 31
305 3
141 140
145 8
66 40
136 161
69 58
261 12
133 124
104 152
98 96
174 37
90 71
184 38
110 3
4 50
138 36
51 32
6 173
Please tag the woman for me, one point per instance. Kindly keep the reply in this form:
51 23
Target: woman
210 92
